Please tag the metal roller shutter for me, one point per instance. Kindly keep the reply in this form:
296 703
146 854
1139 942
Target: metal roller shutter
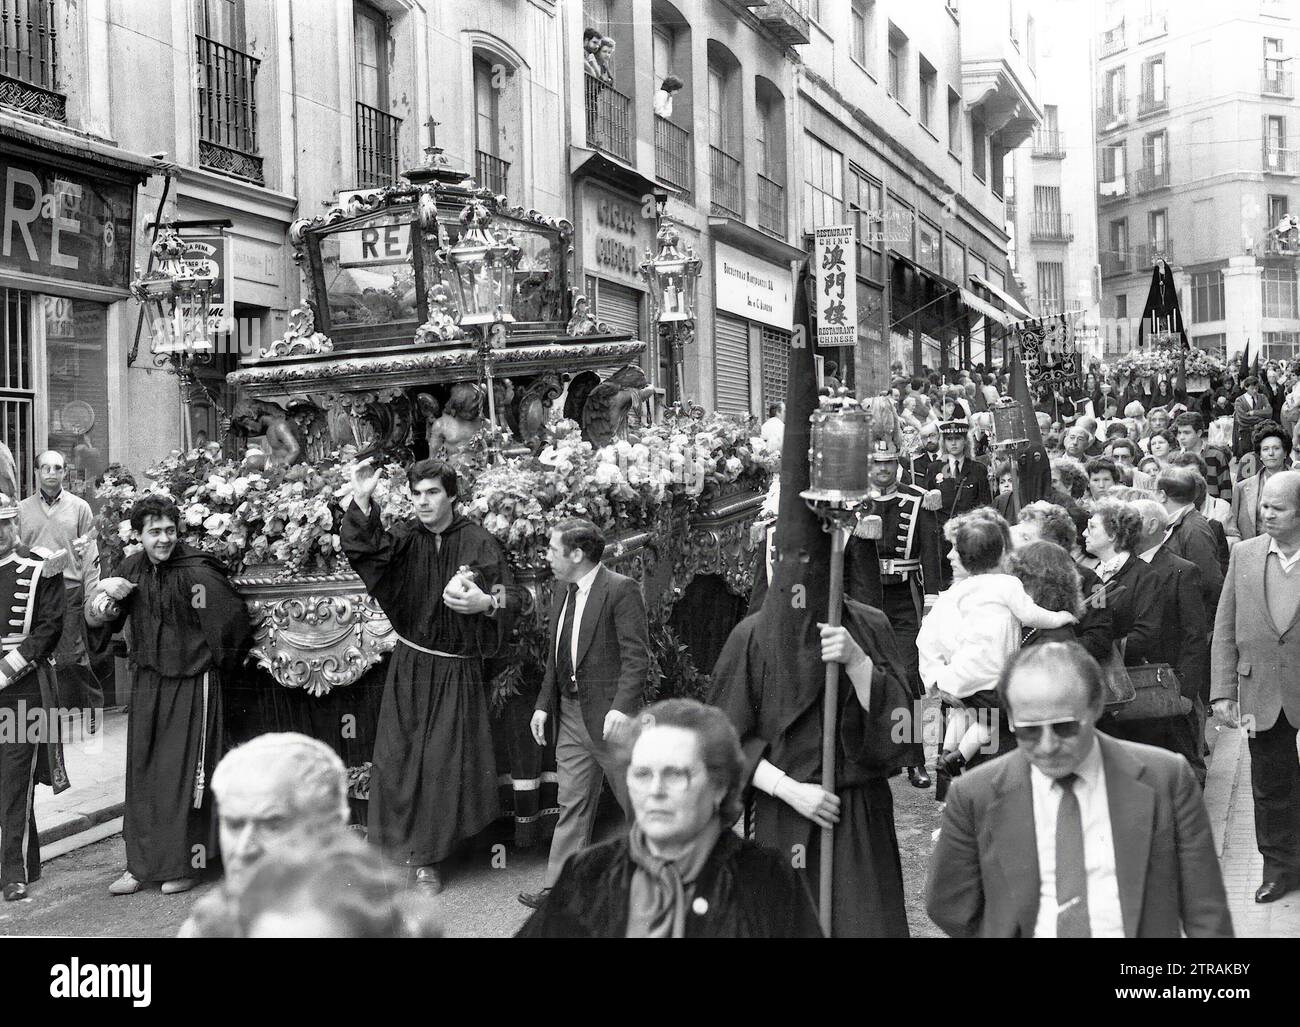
731 364
619 307
776 365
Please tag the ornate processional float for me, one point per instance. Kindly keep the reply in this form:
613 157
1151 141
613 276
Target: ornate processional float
440 320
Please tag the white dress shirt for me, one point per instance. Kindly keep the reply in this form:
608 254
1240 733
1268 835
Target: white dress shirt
1104 912
579 604
1287 563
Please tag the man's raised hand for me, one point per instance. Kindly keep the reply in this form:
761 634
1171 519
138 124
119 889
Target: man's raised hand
365 478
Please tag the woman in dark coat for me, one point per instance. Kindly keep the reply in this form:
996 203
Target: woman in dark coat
681 872
1133 597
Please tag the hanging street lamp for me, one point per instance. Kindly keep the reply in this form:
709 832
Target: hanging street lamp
672 277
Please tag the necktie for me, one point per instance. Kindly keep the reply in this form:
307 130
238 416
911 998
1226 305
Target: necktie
1071 871
564 658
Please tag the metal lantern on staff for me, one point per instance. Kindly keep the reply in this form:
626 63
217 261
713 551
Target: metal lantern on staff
671 276
839 493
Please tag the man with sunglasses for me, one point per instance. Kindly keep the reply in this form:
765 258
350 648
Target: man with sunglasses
1073 834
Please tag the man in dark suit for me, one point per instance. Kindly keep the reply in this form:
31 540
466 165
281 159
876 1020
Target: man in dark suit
1074 834
925 457
597 661
1183 644
1190 535
955 484
1253 659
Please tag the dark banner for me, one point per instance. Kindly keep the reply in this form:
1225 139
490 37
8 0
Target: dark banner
1049 353
65 225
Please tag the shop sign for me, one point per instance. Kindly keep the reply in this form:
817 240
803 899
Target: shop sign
752 288
375 245
66 226
835 260
615 236
211 254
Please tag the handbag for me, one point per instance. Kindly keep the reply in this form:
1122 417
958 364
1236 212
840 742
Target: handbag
1157 694
1119 685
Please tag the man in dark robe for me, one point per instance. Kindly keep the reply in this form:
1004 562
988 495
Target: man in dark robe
189 636
34 596
770 679
446 588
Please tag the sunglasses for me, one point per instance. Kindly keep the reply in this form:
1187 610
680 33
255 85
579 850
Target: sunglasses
1031 734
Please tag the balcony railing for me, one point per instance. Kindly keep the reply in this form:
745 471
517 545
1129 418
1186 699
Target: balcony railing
673 153
609 119
1278 161
29 59
1151 100
786 20
228 110
1146 180
1153 25
1112 40
1145 257
1277 83
771 207
1114 188
376 147
1048 143
1051 226
491 172
724 174
1115 262
1112 114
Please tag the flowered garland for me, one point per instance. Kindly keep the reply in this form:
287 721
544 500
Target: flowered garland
1152 362
285 522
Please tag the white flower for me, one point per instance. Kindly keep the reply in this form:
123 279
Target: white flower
196 514
240 486
608 474
623 447
734 466
124 531
217 524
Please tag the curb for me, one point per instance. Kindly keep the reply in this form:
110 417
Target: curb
84 822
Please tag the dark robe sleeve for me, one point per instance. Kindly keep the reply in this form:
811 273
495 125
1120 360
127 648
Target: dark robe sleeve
487 558
98 636
930 549
369 548
868 737
736 689
47 619
224 618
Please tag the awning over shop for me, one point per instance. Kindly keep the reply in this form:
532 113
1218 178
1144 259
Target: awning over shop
985 309
78 148
1014 306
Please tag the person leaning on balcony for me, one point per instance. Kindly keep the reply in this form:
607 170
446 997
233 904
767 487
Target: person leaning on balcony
590 44
664 96
605 60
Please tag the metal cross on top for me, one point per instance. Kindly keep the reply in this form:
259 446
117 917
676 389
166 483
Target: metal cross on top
432 125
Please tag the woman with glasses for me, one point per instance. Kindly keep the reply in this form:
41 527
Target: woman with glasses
1134 600
681 872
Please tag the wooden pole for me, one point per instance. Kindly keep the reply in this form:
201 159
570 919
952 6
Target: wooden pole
830 727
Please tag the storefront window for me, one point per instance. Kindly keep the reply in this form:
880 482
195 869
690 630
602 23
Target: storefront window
76 348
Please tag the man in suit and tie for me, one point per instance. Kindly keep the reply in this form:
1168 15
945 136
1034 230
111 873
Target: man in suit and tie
956 483
1073 834
1254 679
597 662
1248 411
925 456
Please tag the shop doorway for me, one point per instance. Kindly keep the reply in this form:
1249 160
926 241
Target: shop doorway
17 394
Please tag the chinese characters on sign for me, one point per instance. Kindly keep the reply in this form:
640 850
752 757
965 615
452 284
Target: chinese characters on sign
835 259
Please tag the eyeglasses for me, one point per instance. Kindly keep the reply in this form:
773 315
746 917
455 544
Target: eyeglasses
1033 733
675 780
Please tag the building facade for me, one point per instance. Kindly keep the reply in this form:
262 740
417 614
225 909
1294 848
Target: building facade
907 113
1052 198
1197 162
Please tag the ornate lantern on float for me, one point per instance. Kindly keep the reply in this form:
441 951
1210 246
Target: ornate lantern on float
672 277
483 269
177 300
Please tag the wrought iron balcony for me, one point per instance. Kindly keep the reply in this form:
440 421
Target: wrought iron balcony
29 59
1048 143
724 175
1112 40
609 119
786 20
491 172
1279 161
771 207
1051 226
673 153
376 147
1147 180
1277 83
228 111
1145 257
1113 189
1151 101
1112 114
1115 262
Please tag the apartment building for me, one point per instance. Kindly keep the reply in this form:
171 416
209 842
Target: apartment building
907 114
1197 163
1052 194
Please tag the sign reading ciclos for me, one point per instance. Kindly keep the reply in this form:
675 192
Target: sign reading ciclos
615 236
65 225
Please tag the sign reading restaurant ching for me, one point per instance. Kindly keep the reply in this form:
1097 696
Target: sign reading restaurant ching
835 260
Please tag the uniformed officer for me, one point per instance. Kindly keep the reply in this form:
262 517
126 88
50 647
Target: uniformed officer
29 747
957 483
910 567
